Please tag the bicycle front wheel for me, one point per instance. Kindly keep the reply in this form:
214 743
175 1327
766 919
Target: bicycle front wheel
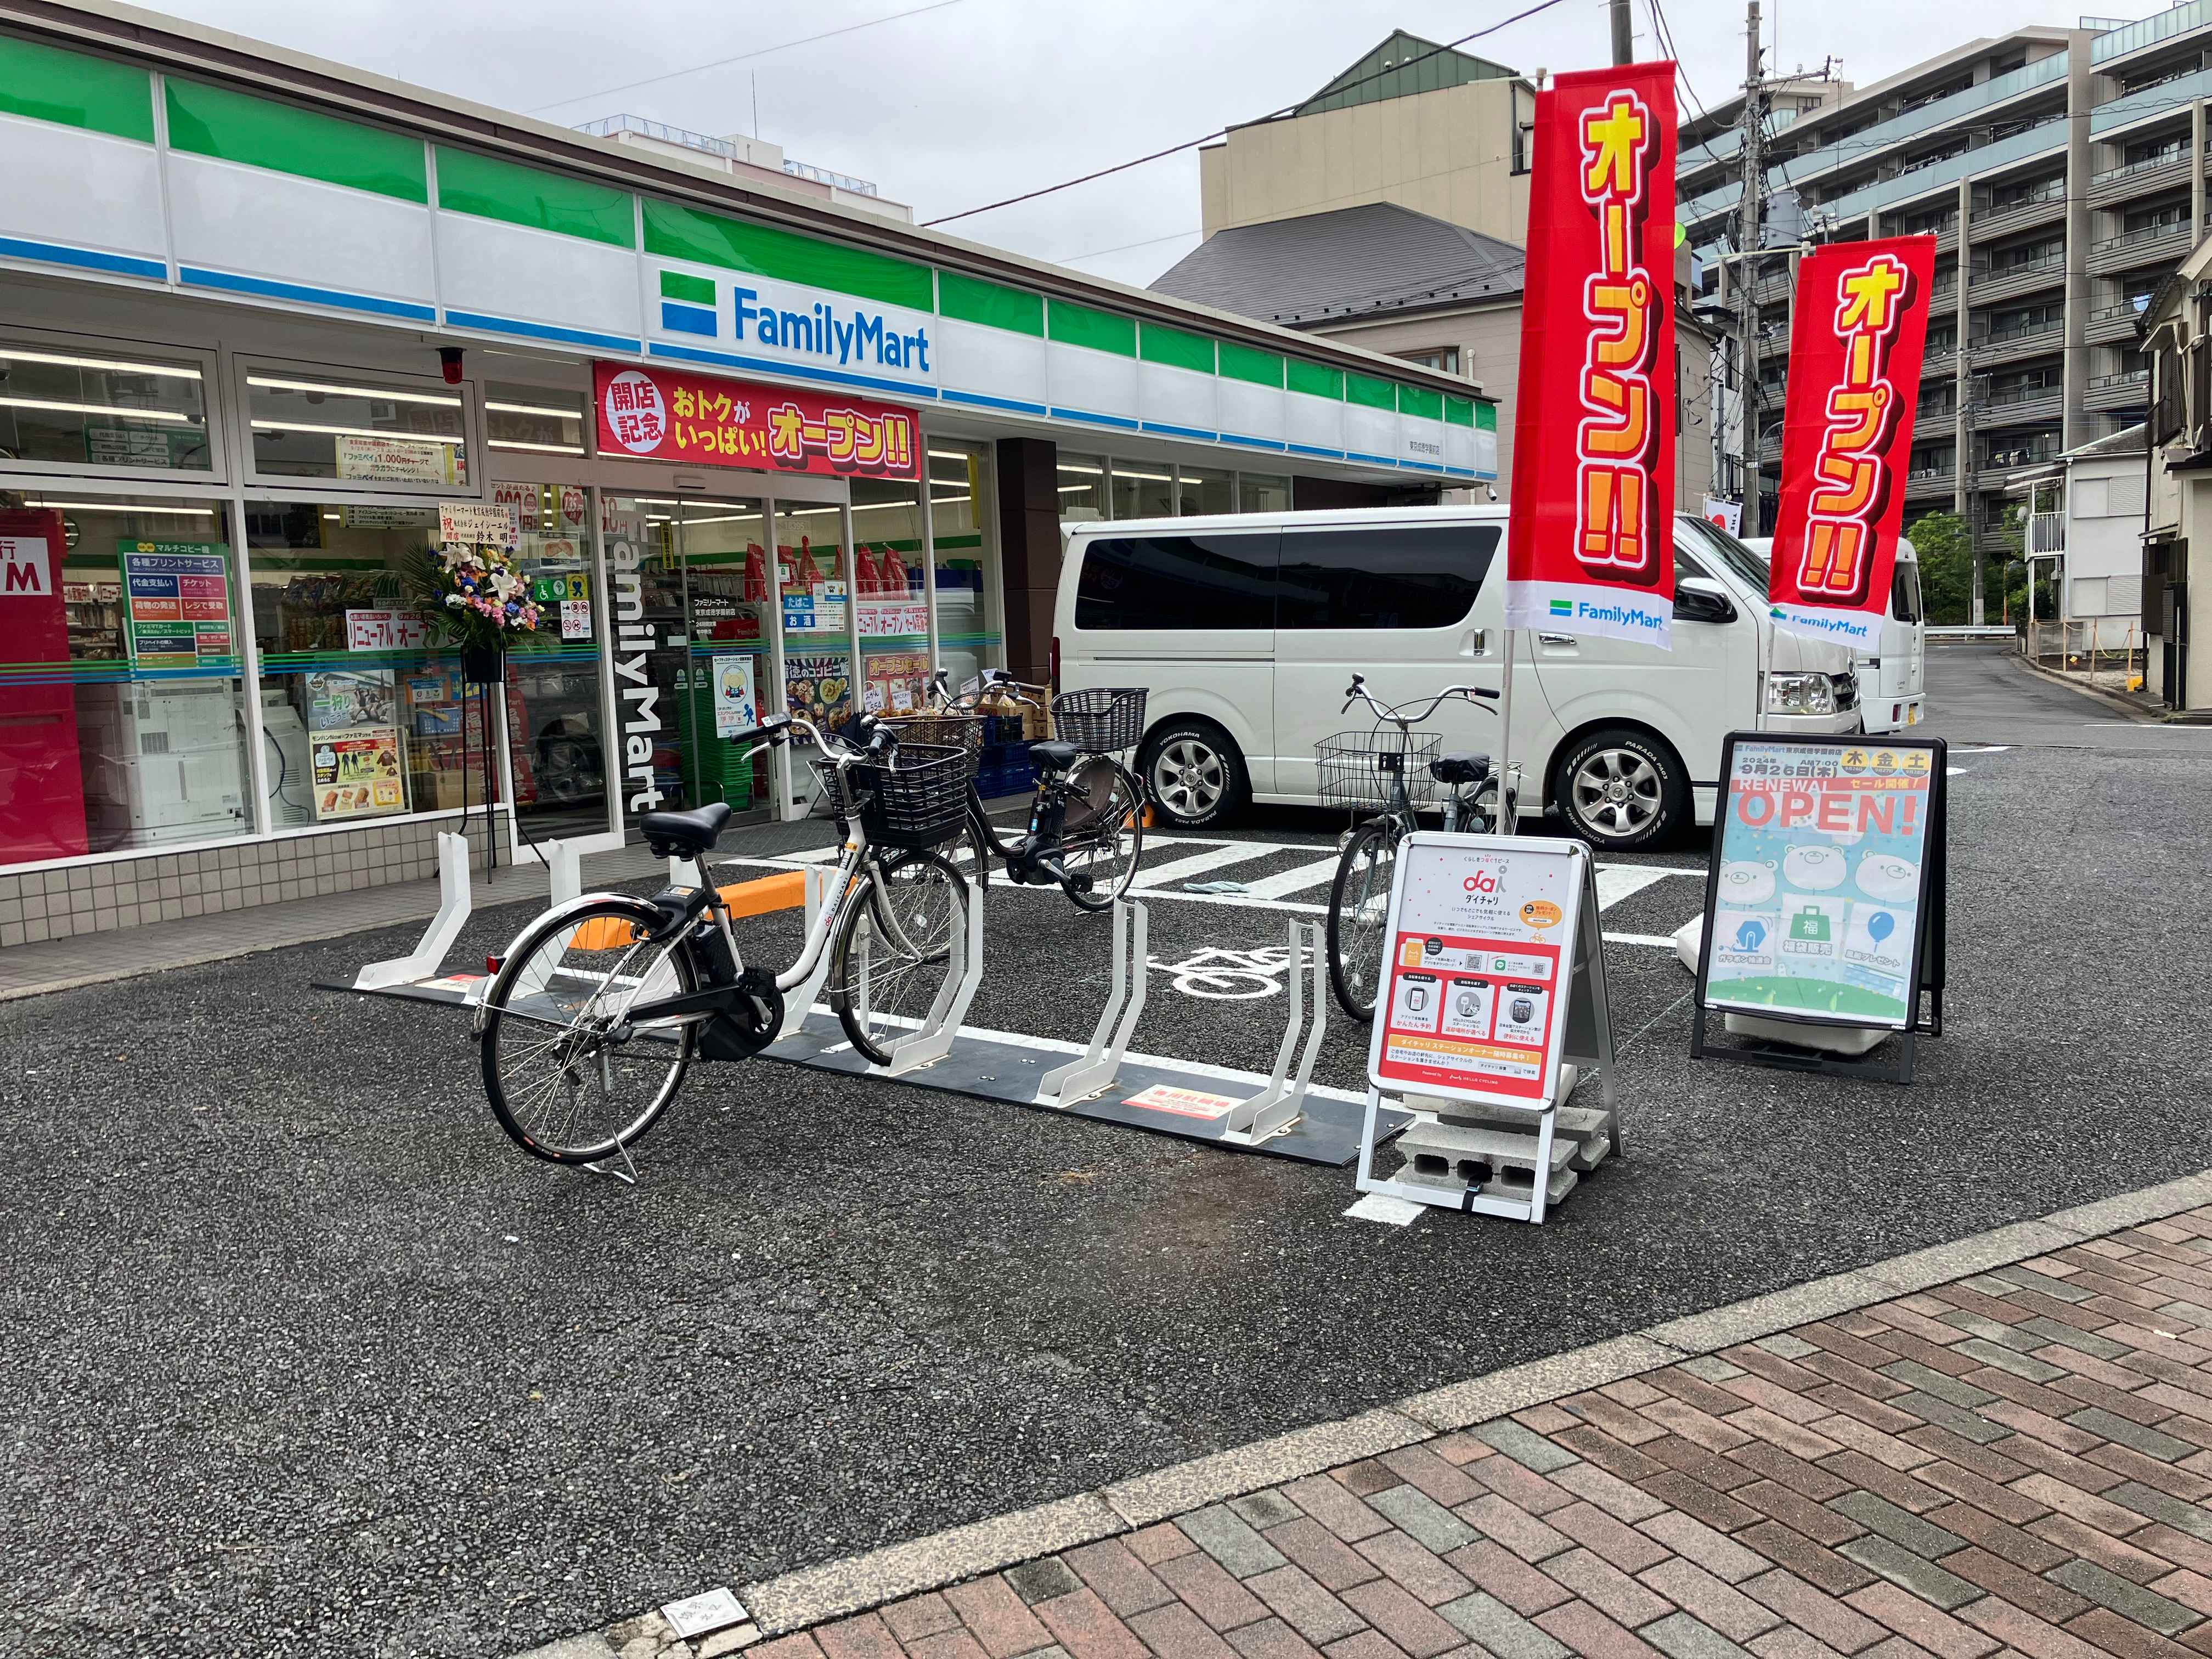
1358 911
1103 835
569 1077
894 950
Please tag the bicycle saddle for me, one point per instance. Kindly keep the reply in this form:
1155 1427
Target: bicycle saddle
1462 767
677 834
1053 757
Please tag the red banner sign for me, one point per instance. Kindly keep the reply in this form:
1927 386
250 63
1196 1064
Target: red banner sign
702 420
1589 548
1854 350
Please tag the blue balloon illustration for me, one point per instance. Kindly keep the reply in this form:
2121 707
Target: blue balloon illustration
1748 936
1880 926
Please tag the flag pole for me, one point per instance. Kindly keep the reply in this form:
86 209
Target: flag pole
1503 824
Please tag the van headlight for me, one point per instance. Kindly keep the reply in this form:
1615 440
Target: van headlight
1799 694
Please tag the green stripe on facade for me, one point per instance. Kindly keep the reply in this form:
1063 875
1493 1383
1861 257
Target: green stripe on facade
971 300
1242 363
1459 411
1316 381
1485 417
699 290
1074 325
708 238
493 189
1370 392
1420 400
1175 349
72 90
231 126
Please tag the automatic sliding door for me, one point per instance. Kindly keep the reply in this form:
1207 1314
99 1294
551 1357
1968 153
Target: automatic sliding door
725 680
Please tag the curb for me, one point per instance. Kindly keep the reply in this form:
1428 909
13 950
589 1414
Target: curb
2118 699
837 1589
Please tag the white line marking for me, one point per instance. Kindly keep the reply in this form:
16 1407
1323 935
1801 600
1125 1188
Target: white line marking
1391 1211
1658 942
1622 881
1240 852
1316 874
1985 749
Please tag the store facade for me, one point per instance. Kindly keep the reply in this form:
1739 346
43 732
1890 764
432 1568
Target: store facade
260 318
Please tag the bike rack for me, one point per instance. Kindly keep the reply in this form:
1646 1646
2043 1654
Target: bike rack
932 1040
1281 1104
1095 1072
454 906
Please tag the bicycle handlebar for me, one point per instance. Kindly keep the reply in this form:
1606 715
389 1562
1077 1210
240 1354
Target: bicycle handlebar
1358 692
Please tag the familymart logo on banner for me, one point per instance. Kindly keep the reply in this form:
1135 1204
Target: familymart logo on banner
1590 546
1855 351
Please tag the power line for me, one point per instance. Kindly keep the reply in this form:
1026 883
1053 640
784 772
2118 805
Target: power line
723 63
1219 132
1101 253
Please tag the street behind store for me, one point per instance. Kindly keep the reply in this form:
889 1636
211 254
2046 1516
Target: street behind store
303 1350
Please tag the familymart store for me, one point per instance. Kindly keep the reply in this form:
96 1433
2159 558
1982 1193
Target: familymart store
260 318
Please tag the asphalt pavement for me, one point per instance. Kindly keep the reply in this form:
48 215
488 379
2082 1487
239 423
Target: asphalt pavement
302 1356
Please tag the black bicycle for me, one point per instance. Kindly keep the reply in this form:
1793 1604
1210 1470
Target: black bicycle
1086 827
1392 771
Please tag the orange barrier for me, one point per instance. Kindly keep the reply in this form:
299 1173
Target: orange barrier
786 892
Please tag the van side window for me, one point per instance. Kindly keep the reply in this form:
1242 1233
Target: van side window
1177 583
1389 577
1905 593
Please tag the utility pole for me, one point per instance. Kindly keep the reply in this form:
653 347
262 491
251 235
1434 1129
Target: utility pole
1624 46
1754 193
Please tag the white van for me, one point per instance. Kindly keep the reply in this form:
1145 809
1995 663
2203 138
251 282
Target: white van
1247 628
1892 681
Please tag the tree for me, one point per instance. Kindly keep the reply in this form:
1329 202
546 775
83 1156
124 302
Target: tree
1947 566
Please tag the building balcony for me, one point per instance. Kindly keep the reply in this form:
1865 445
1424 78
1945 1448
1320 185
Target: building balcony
2152 245
1769 445
1945 289
1931 484
2014 344
2129 389
1992 223
2020 404
1990 285
2112 324
1773 289
1941 364
2125 184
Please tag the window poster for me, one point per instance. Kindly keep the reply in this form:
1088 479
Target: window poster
178 604
357 774
896 681
819 688
735 711
1818 887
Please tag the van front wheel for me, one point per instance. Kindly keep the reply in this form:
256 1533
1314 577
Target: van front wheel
1623 791
1193 774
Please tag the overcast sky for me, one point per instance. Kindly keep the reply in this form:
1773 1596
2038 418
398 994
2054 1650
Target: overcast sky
975 100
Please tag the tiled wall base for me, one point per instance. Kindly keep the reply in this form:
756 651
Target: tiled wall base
94 898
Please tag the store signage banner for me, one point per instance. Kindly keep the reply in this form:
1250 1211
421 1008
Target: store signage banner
385 631
1821 863
1855 350
490 524
1590 547
704 420
178 595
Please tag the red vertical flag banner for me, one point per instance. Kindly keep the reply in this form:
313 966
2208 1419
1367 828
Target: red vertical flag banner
1590 545
1855 350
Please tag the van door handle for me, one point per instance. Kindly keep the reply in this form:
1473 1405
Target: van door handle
1556 639
1478 643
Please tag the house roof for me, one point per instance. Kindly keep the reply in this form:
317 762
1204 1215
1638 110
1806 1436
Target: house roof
1401 66
1377 260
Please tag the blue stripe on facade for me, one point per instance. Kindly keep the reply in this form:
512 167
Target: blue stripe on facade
194 277
55 253
537 331
1423 466
987 402
1465 472
687 319
1182 431
1309 449
1122 422
1253 443
1372 460
765 365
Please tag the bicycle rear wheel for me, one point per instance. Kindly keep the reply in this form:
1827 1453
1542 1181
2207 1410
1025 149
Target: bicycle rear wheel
894 950
567 1076
1358 912
1103 835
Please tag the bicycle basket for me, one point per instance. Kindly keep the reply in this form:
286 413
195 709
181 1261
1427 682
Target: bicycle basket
1358 768
961 732
921 800
1104 721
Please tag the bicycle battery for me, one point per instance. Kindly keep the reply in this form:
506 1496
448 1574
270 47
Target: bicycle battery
749 1024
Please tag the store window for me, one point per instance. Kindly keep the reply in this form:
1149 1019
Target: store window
970 623
557 732
1203 491
891 609
1144 489
532 419
364 715
122 696
111 408
1082 489
1262 492
367 430
812 577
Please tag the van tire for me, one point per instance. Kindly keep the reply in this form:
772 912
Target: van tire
1622 790
1193 775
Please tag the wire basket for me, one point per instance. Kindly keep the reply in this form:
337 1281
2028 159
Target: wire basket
1359 769
1103 720
920 800
952 730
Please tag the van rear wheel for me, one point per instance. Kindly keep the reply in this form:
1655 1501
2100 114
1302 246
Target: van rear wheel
1623 791
1193 774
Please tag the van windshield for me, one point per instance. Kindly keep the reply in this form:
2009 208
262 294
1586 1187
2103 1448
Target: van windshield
1750 569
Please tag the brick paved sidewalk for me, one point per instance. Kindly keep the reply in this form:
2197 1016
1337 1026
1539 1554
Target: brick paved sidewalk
2020 1462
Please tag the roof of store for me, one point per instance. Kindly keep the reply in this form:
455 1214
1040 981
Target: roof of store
1351 263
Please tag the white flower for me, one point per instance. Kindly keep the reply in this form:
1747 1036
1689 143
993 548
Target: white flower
455 601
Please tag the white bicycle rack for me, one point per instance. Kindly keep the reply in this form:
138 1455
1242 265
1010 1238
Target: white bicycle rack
1283 1101
1094 1073
932 1039
453 905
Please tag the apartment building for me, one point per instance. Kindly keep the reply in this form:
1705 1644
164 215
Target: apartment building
2063 172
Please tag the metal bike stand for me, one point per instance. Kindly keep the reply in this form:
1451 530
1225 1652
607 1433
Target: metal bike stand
627 1175
1281 1104
454 906
1095 1072
933 1041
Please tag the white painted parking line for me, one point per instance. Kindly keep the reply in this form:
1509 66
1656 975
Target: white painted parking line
1175 870
1319 874
1616 882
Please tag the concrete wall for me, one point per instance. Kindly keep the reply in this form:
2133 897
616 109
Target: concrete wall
1448 153
2104 547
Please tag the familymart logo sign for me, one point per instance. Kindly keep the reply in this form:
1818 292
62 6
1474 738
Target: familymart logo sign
817 332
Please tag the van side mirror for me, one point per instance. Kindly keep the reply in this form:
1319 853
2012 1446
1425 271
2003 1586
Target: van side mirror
1700 599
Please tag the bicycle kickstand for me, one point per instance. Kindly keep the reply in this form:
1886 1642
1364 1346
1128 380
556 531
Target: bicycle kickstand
627 1175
